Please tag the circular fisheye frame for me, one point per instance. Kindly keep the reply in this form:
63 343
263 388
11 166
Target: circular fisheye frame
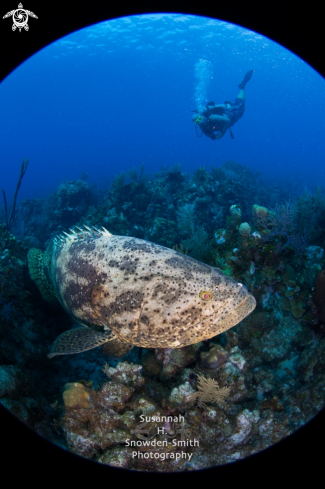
162 268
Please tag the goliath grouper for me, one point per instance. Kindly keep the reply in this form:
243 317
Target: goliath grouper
128 291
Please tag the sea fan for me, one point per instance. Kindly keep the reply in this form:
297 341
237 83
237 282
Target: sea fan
209 391
185 218
197 244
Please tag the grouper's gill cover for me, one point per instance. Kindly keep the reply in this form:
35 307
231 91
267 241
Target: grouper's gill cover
148 295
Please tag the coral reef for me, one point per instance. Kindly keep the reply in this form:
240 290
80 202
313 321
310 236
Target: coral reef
244 229
42 219
126 374
266 375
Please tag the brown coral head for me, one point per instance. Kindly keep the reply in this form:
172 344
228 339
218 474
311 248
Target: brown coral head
298 311
75 396
259 212
213 358
273 404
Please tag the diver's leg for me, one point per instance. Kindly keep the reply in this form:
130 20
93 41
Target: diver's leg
246 79
241 95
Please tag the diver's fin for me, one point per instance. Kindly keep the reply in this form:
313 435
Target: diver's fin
248 76
38 271
231 134
79 339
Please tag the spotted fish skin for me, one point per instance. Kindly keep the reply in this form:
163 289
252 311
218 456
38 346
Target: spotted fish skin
148 295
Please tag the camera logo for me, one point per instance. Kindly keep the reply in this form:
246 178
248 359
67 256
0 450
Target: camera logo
20 18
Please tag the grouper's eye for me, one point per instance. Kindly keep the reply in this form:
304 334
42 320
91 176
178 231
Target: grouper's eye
206 295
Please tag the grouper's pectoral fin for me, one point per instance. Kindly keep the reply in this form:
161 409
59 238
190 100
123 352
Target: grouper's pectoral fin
79 339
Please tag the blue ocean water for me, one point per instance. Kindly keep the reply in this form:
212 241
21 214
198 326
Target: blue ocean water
120 94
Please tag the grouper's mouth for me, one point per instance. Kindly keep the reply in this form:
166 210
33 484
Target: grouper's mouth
230 308
248 295
242 303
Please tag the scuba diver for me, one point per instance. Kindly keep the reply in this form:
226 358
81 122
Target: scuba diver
214 120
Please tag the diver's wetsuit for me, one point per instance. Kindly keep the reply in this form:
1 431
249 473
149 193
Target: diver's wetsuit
214 120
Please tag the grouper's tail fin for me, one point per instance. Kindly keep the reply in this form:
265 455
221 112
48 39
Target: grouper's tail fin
39 272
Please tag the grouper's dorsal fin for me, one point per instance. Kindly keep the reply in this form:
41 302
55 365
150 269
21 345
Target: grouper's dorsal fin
80 233
79 339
